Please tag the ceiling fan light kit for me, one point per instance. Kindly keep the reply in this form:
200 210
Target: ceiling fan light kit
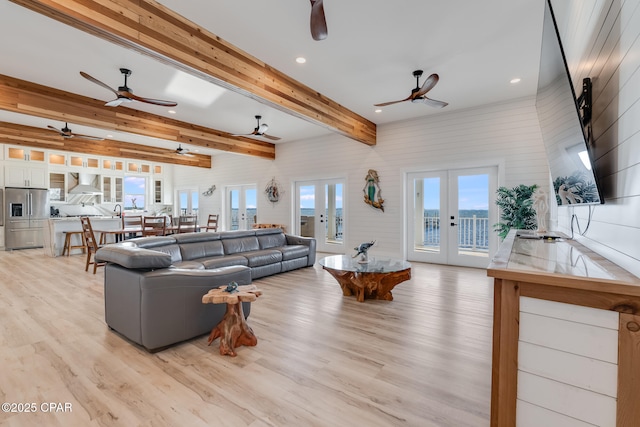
125 93
260 130
183 151
418 93
66 133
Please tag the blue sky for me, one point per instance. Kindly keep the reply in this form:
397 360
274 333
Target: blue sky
307 196
472 192
134 188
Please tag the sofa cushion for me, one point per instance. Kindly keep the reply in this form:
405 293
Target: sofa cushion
195 237
293 251
270 240
224 261
191 265
263 257
236 233
201 249
173 250
151 242
240 244
133 257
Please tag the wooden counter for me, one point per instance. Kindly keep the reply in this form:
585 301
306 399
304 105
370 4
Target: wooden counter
566 337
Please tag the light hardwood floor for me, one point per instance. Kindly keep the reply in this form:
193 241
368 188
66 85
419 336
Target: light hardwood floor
322 359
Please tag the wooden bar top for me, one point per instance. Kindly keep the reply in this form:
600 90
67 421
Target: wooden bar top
561 262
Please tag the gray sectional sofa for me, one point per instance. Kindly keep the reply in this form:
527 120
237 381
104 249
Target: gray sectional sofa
153 286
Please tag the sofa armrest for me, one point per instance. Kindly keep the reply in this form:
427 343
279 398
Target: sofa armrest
307 241
133 257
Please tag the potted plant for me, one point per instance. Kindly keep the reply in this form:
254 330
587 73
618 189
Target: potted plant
516 209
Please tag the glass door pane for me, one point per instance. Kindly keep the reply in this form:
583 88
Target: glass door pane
306 210
470 228
427 208
233 196
333 232
251 207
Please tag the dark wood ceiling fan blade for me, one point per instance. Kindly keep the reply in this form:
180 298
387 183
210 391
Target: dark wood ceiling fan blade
54 129
148 100
98 82
318 21
428 84
87 137
255 132
384 104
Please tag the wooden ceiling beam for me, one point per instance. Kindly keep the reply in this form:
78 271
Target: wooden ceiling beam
29 136
24 97
154 30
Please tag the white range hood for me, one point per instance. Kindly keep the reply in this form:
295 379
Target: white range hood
88 184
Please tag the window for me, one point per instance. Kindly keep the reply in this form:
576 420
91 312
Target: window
135 189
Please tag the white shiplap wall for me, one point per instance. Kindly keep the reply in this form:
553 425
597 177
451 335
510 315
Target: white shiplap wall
601 41
504 134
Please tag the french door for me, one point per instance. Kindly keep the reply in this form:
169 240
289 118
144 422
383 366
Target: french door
241 207
320 213
450 216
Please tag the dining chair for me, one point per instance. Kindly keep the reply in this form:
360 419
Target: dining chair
154 226
91 244
133 226
187 223
212 223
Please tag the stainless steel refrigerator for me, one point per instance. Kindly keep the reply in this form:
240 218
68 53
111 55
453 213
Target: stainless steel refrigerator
26 210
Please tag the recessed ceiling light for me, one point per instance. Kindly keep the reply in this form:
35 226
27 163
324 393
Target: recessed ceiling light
171 111
301 60
514 81
378 110
109 136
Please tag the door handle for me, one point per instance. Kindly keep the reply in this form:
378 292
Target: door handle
453 224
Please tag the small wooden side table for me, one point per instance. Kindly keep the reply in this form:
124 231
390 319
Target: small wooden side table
233 329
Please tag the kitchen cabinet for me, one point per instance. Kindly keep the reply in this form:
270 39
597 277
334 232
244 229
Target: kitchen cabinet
84 162
158 191
113 165
57 160
25 154
112 189
57 186
138 167
21 175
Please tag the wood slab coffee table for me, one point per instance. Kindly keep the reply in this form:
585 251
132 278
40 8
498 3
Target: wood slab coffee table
372 280
233 329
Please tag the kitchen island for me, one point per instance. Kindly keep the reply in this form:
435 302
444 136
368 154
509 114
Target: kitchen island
55 228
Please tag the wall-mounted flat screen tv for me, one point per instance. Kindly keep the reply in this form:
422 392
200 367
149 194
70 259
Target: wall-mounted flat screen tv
563 124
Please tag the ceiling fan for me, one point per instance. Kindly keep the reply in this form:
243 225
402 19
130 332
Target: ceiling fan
66 133
318 21
261 130
124 93
417 93
183 151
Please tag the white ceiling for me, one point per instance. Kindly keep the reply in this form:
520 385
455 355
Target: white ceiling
373 47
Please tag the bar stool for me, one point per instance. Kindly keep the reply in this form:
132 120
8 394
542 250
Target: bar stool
67 242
